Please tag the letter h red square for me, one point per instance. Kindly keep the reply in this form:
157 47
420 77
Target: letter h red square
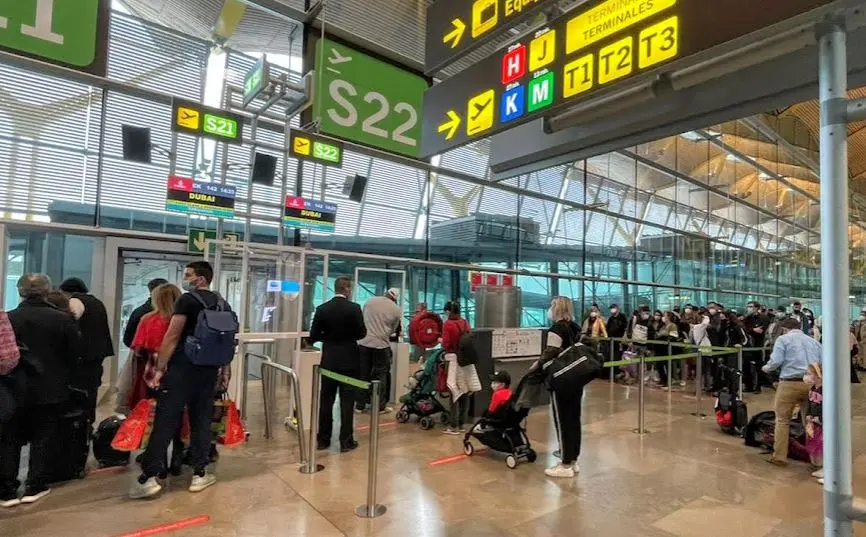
514 65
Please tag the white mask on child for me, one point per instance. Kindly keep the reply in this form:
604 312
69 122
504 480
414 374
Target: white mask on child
496 386
809 379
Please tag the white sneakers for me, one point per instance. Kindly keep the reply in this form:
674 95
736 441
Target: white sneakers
33 498
148 489
562 470
201 482
151 487
819 473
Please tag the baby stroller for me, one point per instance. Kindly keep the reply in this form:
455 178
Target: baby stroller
731 412
503 432
421 400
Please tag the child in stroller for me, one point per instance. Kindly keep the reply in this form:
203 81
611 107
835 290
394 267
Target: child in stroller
422 398
501 427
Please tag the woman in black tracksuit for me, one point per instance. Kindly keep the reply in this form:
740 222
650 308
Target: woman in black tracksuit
564 333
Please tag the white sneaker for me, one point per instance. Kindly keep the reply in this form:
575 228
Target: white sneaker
33 498
560 471
387 410
576 468
818 473
148 489
11 502
201 482
821 481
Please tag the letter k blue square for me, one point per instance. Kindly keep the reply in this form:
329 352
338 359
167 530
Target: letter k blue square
513 103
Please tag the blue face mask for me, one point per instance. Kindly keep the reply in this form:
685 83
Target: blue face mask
188 285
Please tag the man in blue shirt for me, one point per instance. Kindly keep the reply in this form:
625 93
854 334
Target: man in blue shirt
792 354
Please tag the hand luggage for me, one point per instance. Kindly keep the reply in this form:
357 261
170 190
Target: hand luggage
70 448
573 368
761 432
106 455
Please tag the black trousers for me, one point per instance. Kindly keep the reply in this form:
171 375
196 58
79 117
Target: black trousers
88 377
328 397
375 365
184 386
36 425
566 415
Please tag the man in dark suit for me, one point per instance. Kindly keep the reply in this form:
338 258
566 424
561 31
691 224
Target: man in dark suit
338 324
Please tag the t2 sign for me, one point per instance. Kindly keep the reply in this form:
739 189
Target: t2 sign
365 100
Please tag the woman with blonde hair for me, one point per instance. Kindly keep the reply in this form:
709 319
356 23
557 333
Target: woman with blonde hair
564 333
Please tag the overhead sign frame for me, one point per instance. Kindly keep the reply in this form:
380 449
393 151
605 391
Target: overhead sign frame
457 27
314 148
600 46
189 117
69 34
256 80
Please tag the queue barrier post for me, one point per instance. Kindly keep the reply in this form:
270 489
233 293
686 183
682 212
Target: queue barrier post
641 430
611 342
670 366
311 467
740 369
371 509
699 381
268 369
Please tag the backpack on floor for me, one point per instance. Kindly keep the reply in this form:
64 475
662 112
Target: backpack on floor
106 455
212 343
761 432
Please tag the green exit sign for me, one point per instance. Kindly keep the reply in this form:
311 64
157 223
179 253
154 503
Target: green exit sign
255 81
196 239
72 34
192 118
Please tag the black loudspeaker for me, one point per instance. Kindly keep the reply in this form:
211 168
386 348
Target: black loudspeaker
136 144
264 169
354 187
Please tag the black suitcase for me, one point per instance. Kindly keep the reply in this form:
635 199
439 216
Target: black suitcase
71 446
104 454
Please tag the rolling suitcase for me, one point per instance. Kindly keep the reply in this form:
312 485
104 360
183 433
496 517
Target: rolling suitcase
71 446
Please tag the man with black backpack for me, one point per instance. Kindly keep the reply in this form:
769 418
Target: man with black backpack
200 340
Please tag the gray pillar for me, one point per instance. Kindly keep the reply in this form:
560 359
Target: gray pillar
832 88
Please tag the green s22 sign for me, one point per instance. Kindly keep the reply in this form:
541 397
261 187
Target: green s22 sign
72 33
365 100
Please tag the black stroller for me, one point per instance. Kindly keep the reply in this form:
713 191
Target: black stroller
503 432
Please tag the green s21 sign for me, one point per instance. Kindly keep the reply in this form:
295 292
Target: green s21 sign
70 33
365 100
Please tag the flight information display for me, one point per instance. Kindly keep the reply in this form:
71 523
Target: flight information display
586 51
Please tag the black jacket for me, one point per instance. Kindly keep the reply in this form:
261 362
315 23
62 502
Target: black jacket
134 319
339 324
53 342
617 325
93 325
753 321
717 330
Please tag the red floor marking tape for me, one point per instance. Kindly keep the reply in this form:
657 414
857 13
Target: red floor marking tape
363 428
454 458
108 471
165 528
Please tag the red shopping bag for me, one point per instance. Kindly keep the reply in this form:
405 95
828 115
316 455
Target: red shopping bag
228 427
136 427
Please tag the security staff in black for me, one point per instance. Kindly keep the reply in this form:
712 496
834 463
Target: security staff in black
338 325
93 325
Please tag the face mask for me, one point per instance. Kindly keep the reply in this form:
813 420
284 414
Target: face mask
712 311
750 309
593 315
496 386
550 313
780 315
189 285
644 316
614 311
863 317
658 318
809 379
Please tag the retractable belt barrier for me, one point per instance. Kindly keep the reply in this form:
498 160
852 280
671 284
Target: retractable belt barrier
702 352
370 509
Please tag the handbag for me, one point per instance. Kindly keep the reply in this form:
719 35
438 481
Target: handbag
227 425
572 368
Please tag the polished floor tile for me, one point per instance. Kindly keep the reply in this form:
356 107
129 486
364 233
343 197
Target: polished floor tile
683 478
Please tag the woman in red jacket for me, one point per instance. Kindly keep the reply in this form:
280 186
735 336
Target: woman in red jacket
462 380
148 338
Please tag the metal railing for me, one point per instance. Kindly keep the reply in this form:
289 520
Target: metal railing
268 368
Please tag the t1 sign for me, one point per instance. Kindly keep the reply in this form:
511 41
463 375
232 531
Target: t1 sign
365 100
70 34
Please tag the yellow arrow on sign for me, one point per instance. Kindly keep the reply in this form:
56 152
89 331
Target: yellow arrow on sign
199 241
456 34
451 125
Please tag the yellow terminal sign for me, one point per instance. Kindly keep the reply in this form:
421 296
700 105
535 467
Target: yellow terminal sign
578 76
616 60
485 16
188 118
659 42
480 112
301 145
542 50
609 18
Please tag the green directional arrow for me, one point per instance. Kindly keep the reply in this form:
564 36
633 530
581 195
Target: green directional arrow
197 239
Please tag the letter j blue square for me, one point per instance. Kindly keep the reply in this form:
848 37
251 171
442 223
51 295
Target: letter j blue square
513 103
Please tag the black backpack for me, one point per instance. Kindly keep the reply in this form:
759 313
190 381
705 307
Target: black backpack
466 352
